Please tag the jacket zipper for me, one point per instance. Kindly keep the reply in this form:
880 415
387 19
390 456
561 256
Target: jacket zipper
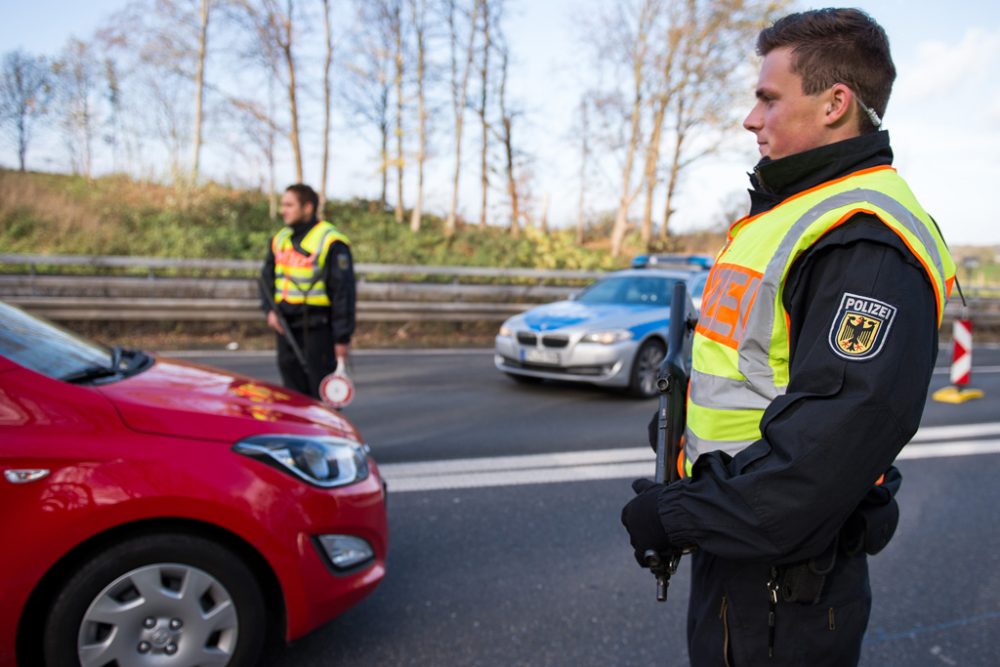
772 592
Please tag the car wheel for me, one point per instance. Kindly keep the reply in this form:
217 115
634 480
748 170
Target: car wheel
645 366
524 379
170 599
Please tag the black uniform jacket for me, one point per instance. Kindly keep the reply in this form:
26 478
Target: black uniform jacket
842 421
338 275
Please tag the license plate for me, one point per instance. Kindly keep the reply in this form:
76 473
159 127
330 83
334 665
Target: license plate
540 357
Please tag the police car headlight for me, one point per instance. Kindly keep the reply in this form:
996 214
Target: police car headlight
319 460
607 337
505 331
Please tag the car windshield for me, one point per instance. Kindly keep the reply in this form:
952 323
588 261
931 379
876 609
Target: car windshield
630 290
47 349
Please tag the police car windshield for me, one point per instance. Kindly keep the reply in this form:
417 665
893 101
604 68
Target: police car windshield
630 290
45 348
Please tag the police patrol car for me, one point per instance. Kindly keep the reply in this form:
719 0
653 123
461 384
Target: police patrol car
613 333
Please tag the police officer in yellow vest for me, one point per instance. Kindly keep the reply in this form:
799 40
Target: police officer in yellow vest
310 266
811 362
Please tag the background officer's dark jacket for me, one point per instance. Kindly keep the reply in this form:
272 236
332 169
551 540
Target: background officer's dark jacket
338 275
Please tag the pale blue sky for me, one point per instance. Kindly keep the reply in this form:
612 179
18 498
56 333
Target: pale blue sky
944 117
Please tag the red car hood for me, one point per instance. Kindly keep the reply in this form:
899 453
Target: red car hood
187 400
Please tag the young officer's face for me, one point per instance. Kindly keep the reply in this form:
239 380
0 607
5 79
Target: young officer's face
292 211
785 120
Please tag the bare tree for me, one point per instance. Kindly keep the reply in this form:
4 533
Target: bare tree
25 85
327 62
484 89
459 95
635 29
506 133
396 21
709 80
369 88
199 86
418 10
77 74
584 164
273 27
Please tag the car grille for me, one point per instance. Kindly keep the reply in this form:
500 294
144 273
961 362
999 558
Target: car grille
557 370
555 341
526 338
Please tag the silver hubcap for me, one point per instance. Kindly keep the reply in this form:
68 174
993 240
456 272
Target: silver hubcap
649 364
163 614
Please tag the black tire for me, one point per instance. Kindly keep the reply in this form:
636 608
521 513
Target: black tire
174 552
524 379
642 381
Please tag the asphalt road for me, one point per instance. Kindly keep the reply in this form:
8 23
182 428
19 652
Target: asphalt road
506 548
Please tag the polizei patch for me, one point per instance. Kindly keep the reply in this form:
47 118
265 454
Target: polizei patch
861 326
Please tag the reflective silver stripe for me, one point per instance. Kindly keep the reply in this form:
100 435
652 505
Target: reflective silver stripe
306 293
754 350
721 393
695 446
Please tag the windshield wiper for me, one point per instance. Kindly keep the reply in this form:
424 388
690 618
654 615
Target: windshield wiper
89 373
116 356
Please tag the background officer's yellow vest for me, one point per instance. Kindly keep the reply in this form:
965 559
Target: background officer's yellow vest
298 278
741 349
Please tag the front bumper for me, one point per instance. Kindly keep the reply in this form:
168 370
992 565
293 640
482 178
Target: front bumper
565 357
315 591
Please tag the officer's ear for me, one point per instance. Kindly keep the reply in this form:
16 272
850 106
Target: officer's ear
838 99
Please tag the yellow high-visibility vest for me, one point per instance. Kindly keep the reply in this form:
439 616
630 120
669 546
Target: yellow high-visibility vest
298 278
741 345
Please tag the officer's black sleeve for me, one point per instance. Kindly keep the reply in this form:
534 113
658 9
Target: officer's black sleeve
267 278
841 422
340 287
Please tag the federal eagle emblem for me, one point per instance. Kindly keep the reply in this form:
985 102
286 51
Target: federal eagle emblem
860 327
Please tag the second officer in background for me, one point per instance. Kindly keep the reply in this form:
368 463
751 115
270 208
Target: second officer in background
310 267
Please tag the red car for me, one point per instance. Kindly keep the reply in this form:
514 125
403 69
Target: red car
163 513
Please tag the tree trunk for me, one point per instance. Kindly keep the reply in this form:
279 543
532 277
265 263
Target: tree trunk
293 106
584 158
483 97
398 29
199 95
675 165
652 161
419 18
459 97
326 106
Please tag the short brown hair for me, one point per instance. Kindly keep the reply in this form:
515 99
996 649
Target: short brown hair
831 46
305 195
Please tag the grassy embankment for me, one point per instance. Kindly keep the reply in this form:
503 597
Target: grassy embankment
59 214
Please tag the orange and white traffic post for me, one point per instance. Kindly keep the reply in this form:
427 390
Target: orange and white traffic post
961 367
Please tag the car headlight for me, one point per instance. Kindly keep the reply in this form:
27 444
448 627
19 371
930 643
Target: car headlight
324 461
505 331
607 337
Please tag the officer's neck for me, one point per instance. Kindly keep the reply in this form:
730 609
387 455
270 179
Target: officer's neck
774 181
303 226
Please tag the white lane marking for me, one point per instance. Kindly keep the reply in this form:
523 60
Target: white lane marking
582 466
949 449
976 370
960 431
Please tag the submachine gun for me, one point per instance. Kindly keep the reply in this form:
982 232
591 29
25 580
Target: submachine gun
672 381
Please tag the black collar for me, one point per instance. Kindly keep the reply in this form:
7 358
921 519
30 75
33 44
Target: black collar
300 229
774 181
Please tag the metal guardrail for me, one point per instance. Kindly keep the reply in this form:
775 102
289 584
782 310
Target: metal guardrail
249 265
158 298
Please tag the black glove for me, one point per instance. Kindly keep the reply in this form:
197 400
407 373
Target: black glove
641 517
873 522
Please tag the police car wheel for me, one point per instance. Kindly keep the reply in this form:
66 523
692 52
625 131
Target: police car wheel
156 600
645 366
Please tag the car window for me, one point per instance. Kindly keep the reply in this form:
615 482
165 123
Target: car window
630 290
698 285
44 347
